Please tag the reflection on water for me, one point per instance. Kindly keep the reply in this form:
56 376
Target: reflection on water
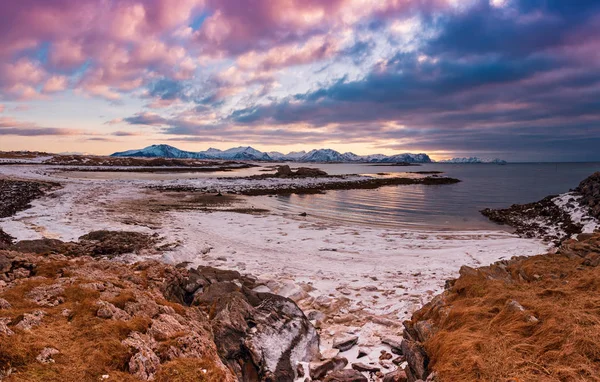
454 206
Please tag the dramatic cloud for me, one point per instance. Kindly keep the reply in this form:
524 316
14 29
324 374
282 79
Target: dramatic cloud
514 77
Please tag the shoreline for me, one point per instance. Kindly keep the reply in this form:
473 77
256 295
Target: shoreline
349 280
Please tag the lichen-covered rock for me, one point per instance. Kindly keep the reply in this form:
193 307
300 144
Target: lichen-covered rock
46 354
107 310
29 320
47 295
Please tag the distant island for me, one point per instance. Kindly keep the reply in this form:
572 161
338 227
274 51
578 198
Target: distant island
249 153
473 160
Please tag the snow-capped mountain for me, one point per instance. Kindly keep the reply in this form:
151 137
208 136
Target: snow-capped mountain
249 153
161 151
407 158
351 157
322 155
474 160
291 156
237 153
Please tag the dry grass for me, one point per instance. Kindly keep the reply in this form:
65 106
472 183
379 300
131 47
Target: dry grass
89 347
185 370
481 338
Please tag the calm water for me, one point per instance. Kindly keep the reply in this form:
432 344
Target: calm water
437 207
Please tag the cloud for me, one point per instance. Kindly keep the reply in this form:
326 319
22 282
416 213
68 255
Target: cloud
11 126
125 134
150 119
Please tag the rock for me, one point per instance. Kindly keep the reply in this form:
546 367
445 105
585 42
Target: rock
29 320
395 376
345 376
309 172
424 330
318 370
46 355
4 329
395 343
4 304
362 353
300 370
592 259
107 310
345 343
315 315
385 356
330 353
247 323
144 363
165 327
359 366
303 214
417 359
284 171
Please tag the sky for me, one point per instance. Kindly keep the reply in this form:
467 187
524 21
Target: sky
514 79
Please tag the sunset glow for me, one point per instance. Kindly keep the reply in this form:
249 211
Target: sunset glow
516 79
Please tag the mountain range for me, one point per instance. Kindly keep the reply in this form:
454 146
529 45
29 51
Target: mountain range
249 153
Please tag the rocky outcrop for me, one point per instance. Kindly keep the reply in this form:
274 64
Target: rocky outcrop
18 194
486 314
95 244
554 218
543 219
147 321
589 189
261 336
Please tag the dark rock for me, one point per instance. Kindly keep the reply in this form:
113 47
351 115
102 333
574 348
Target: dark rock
303 214
5 240
592 259
417 359
395 376
246 324
299 370
394 343
359 366
345 343
318 370
309 172
345 376
362 353
284 171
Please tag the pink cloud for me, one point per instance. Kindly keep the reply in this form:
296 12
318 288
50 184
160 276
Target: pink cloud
55 84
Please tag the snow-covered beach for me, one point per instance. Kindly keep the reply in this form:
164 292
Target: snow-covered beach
350 280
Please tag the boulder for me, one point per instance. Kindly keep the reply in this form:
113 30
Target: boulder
318 370
417 359
348 375
28 321
284 171
107 310
144 363
345 343
395 376
359 366
246 324
309 172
